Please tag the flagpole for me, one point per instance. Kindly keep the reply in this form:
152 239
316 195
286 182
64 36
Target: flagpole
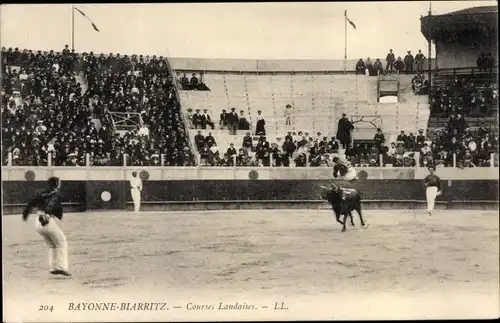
345 42
72 27
429 59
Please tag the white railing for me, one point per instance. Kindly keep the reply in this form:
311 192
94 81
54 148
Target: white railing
272 162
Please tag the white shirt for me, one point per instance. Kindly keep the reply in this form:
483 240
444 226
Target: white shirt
260 117
56 67
302 150
472 146
136 182
144 131
214 149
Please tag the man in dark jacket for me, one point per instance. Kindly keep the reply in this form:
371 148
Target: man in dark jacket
344 129
199 139
48 205
231 153
232 121
197 119
360 67
379 139
210 140
193 83
206 120
420 140
243 123
223 119
390 59
399 65
419 61
409 61
247 142
403 138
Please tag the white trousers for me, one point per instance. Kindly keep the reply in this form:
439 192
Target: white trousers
350 175
136 197
56 240
431 195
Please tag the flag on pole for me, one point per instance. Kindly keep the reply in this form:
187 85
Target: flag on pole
83 14
348 20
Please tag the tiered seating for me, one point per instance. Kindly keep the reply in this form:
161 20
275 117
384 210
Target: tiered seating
318 101
65 91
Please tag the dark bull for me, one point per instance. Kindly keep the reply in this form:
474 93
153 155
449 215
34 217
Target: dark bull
343 202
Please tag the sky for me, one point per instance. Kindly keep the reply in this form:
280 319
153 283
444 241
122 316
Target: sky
294 30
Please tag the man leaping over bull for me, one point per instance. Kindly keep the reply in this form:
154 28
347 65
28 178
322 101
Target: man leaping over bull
344 167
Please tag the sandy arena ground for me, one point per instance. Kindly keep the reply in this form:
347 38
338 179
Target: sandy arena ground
404 265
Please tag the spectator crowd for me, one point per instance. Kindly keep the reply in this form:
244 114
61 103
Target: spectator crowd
62 104
193 84
300 149
464 95
409 65
47 111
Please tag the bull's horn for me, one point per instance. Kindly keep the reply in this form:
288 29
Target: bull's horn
323 187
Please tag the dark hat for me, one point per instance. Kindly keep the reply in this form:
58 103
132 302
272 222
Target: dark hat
53 182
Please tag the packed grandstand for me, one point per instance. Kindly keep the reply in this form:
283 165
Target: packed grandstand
62 108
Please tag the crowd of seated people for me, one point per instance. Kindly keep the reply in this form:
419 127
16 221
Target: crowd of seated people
193 84
227 120
55 116
299 149
420 85
471 148
461 95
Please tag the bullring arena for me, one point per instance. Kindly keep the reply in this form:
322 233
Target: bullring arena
403 266
229 156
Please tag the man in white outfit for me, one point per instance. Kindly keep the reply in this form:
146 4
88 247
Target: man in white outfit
433 184
135 191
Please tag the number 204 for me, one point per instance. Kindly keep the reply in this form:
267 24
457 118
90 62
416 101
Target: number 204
46 308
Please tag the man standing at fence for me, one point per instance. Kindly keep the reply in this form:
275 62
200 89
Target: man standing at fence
433 184
135 191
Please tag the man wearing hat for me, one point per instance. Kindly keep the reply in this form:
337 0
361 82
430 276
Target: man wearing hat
206 120
409 61
232 121
390 59
420 139
433 188
223 119
197 119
